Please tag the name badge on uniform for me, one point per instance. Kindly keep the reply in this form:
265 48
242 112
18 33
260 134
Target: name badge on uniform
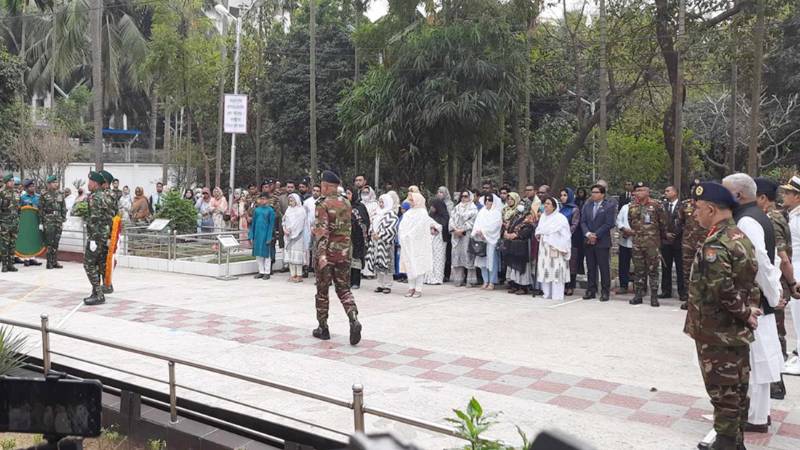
647 220
710 254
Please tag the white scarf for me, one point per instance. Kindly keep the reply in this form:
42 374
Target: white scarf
489 221
295 218
370 202
388 208
416 253
553 230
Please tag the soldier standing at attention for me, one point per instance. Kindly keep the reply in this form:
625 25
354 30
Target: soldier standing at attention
649 224
331 230
111 201
52 215
720 318
693 237
98 230
9 223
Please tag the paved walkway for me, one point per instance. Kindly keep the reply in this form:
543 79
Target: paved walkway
612 374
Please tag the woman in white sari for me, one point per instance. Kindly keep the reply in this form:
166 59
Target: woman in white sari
555 246
383 231
370 202
461 222
294 226
488 224
416 240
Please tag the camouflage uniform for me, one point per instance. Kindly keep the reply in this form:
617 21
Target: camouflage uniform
720 294
98 230
783 243
649 224
332 228
9 226
52 215
693 237
116 195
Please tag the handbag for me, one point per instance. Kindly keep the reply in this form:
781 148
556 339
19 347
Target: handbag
477 248
516 248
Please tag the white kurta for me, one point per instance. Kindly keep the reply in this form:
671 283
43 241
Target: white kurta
794 231
766 358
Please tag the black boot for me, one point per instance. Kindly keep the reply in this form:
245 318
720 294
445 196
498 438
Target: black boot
108 289
322 332
56 265
589 295
355 328
723 443
654 299
10 266
96 298
777 390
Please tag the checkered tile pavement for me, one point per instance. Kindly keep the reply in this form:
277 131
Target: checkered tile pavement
680 412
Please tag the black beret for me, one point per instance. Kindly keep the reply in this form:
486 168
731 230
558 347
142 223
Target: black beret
640 184
330 177
714 193
765 186
263 195
27 182
268 181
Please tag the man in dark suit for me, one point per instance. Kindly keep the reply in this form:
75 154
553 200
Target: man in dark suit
597 219
627 196
671 245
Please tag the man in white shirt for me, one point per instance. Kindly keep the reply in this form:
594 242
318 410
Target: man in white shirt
310 205
155 199
791 202
625 249
766 360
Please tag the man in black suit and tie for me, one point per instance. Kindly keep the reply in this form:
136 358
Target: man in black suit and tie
627 196
671 246
597 219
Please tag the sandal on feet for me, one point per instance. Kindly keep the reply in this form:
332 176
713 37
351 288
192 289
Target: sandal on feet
410 293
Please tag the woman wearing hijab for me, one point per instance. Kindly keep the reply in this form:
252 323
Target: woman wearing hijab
383 231
205 211
238 213
488 225
444 194
573 214
510 208
417 230
188 194
219 206
140 208
370 202
439 214
555 246
516 251
461 222
294 225
359 233
125 204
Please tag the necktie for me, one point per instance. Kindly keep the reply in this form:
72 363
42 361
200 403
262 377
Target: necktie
596 207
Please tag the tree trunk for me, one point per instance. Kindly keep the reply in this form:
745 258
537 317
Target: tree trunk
153 119
474 180
755 92
97 82
221 108
189 148
258 138
167 144
603 158
521 145
516 134
312 32
677 160
730 157
501 163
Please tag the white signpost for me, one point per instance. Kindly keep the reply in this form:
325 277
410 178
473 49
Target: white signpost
227 242
235 121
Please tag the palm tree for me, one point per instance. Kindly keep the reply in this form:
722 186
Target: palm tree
12 348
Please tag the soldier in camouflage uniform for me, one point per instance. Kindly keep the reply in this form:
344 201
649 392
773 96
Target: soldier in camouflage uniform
649 224
720 317
98 229
9 223
693 237
52 215
331 230
112 209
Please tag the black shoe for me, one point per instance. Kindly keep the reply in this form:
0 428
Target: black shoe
685 306
4 269
56 265
378 290
26 263
259 276
589 295
654 301
265 277
387 291
751 428
355 331
11 268
321 333
722 443
604 297
96 298
33 262
635 300
108 289
17 260
665 295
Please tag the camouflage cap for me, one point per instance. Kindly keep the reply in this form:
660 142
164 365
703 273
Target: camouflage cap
714 193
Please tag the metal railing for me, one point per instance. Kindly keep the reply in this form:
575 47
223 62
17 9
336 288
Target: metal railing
357 404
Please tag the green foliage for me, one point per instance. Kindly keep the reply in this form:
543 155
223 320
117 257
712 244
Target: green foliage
156 444
13 111
37 439
471 424
69 113
12 348
637 157
12 70
181 212
8 444
80 209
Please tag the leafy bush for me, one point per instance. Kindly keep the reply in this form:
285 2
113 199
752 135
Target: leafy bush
472 423
180 212
8 444
80 209
12 347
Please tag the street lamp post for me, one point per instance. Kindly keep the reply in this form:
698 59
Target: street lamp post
594 133
225 13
